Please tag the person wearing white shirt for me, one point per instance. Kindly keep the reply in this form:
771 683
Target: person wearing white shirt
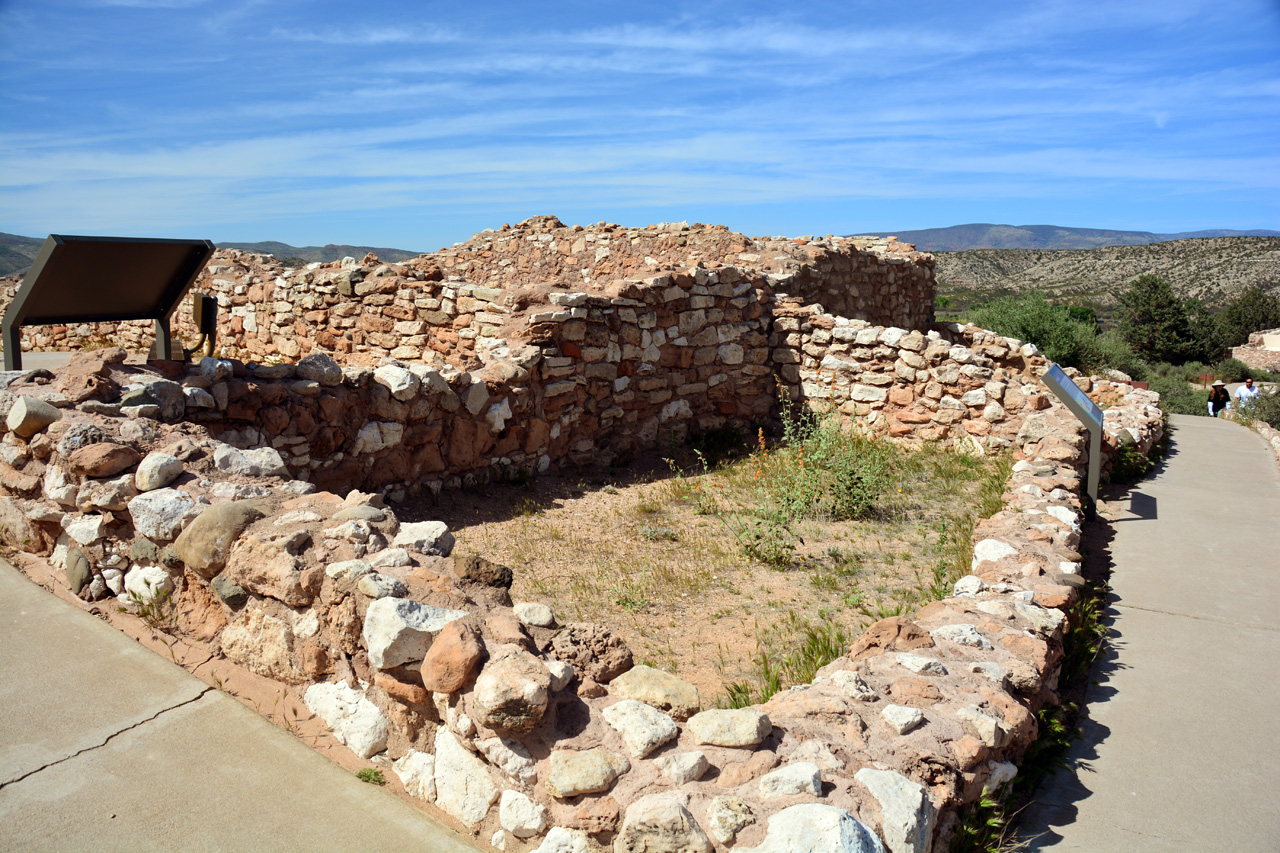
1246 393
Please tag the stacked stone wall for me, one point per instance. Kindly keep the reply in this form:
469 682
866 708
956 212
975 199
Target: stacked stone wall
1256 354
459 303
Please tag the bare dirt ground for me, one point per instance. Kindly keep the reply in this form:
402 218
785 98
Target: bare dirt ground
654 552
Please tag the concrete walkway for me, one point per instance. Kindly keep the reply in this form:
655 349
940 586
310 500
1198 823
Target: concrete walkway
1181 748
104 745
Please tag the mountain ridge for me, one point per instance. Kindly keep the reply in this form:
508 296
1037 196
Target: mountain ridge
985 235
18 252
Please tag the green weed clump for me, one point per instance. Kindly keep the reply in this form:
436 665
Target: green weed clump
788 653
371 776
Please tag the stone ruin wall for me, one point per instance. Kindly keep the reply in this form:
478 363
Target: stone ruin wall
526 732
1257 354
458 304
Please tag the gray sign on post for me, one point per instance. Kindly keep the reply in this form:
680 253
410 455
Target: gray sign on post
1087 412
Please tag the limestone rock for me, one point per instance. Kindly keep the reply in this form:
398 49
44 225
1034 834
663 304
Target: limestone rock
562 840
520 815
802 777
104 459
512 691
426 537
962 634
452 657
561 673
991 731
991 549
586 772
906 814
397 630
464 787
726 727
660 822
683 767
263 644
84 529
148 585
28 415
662 690
642 727
594 650
917 663
534 613
727 816
259 462
268 567
511 757
111 494
902 718
356 722
161 514
816 828
402 384
375 585
156 471
417 773
206 542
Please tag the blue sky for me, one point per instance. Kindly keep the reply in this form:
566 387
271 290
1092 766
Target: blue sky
415 124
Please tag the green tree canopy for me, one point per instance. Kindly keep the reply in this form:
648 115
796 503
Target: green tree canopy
1253 310
1160 326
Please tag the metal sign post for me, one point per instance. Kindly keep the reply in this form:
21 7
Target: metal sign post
1089 414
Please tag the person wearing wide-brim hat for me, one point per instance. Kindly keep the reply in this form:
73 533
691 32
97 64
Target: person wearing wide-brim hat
1219 399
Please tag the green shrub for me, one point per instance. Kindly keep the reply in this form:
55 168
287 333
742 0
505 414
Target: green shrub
1265 408
1030 317
1116 354
1179 398
1235 370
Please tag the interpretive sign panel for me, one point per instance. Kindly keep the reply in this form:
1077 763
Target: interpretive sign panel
1087 412
103 279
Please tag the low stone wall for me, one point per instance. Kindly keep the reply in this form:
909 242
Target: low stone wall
1257 354
527 732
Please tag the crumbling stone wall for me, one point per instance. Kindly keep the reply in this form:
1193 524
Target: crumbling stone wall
459 303
1262 352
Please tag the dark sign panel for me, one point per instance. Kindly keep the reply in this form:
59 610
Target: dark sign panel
103 279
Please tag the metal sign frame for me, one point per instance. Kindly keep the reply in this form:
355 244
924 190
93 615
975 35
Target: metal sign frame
79 279
1087 412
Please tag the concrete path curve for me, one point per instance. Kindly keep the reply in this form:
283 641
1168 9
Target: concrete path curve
106 746
1181 748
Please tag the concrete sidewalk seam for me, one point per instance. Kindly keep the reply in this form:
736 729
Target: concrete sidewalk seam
1160 612
109 738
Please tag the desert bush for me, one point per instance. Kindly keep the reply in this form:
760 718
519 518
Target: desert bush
1265 408
1252 310
1179 398
1052 328
1116 354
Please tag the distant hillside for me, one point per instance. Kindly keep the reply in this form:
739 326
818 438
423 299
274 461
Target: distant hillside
17 253
1212 269
982 235
324 254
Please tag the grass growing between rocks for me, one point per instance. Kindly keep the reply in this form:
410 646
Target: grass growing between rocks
741 563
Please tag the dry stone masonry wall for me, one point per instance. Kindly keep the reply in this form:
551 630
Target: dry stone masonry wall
230 487
1261 352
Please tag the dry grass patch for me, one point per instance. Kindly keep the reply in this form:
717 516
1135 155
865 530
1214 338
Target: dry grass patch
742 569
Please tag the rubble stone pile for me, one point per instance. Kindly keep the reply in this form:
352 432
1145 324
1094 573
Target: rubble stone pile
259 500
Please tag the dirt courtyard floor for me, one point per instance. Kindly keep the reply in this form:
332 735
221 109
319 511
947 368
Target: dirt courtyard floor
654 551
